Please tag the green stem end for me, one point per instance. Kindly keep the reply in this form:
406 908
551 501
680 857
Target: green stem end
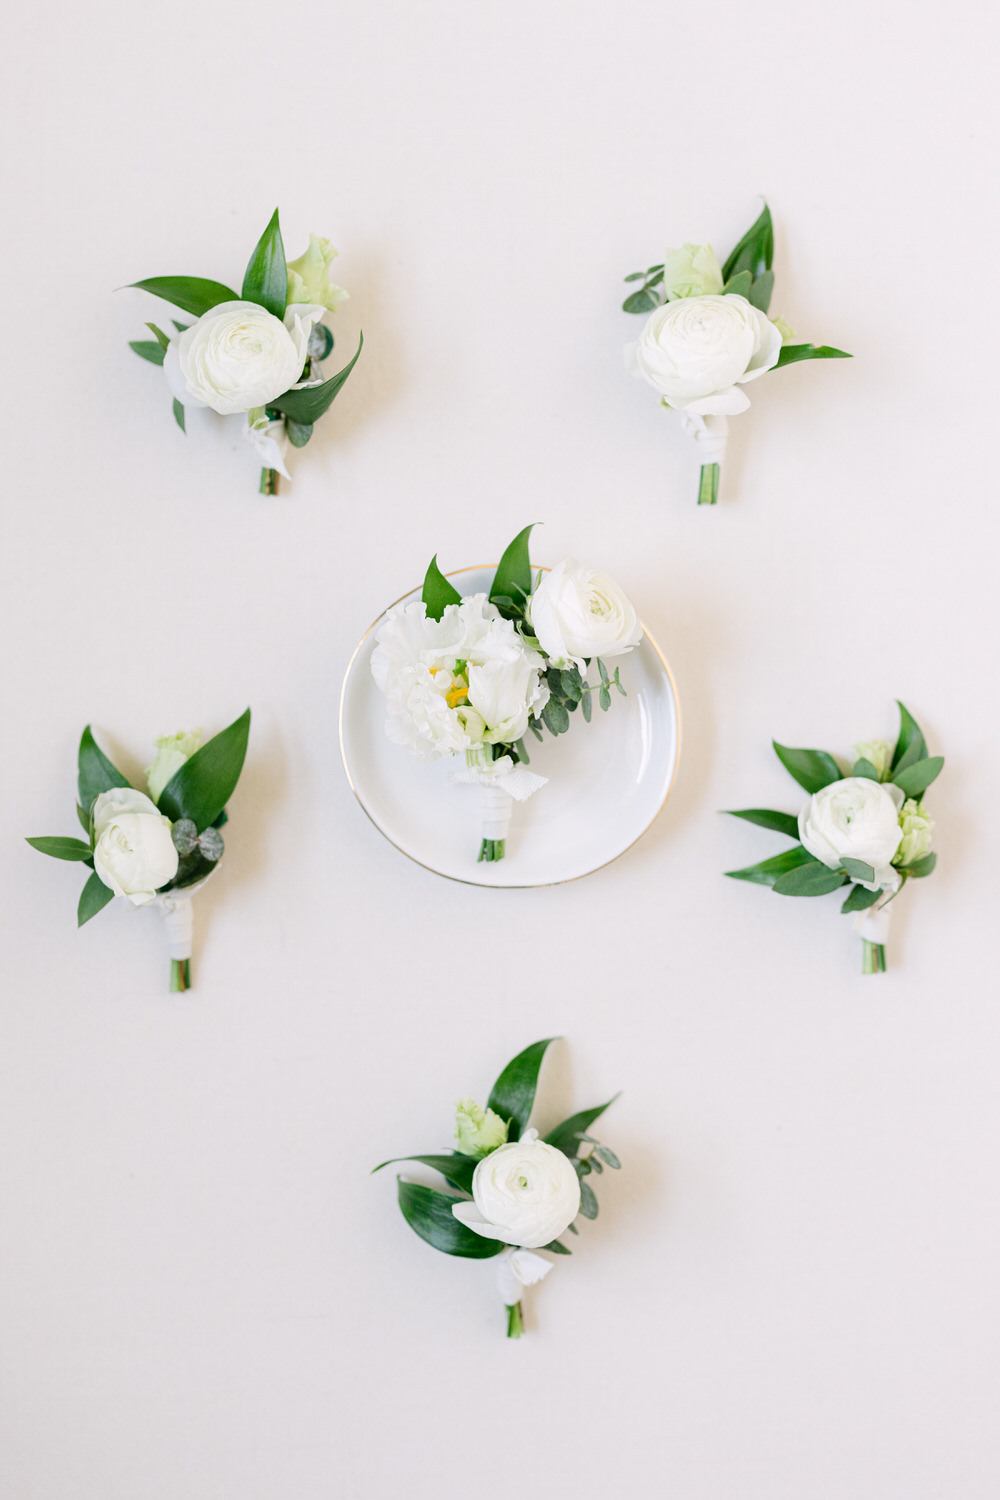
491 850
269 481
708 485
873 959
515 1321
180 975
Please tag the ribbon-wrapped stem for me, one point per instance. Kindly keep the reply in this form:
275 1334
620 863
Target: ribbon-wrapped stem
709 435
515 1321
872 926
502 784
873 958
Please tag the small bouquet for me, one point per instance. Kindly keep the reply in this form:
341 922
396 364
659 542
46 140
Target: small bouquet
869 829
470 676
158 849
708 335
258 352
520 1192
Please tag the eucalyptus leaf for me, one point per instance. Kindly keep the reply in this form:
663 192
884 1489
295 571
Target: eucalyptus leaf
588 1201
859 899
739 285
203 785
812 769
921 867
864 768
768 871
437 591
766 817
265 280
299 433
307 406
96 774
607 1155
456 1168
604 697
179 414
566 1136
858 869
587 706
148 349
910 734
916 779
810 880
513 1094
555 716
642 301
61 848
93 898
429 1214
556 1248
192 293
791 354
755 251
759 295
636 276
512 578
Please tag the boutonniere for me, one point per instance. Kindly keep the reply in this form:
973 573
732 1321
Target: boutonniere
256 353
154 848
708 335
469 677
867 828
519 1191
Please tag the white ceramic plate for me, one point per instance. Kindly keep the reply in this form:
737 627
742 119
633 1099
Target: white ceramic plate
607 779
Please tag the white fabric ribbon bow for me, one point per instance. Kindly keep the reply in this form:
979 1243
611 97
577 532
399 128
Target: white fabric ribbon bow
517 1269
503 783
709 435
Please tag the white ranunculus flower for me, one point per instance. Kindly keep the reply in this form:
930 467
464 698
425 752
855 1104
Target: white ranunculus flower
134 854
238 356
691 271
698 351
524 1194
576 613
451 684
855 819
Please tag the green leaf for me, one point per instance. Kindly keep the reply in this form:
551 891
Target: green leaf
299 433
588 1201
739 286
265 280
791 354
147 349
321 331
572 685
96 773
765 817
916 779
556 717
179 415
307 406
556 1248
921 867
513 1094
83 818
755 251
910 735
513 575
194 294
161 337
858 869
768 871
61 848
810 880
205 782
812 769
642 301
587 706
759 295
865 769
636 276
429 1214
456 1168
859 899
437 591
93 898
566 1137
607 1155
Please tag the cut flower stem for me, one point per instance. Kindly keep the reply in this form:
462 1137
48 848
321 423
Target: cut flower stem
873 960
515 1321
180 975
708 487
269 481
492 850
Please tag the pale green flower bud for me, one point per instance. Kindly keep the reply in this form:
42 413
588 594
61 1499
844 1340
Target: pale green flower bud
878 752
691 271
172 750
917 829
787 333
478 1131
309 276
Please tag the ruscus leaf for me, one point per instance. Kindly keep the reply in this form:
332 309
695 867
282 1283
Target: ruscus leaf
437 591
812 769
265 280
755 251
205 782
192 293
96 774
566 1136
765 817
429 1214
456 1168
512 578
809 880
791 354
307 406
93 898
513 1094
916 779
61 848
770 870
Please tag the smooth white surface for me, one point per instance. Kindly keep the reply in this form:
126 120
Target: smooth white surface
606 780
791 1292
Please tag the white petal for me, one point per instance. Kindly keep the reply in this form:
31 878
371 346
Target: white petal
468 1214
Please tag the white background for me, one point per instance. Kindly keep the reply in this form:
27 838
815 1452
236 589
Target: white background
791 1292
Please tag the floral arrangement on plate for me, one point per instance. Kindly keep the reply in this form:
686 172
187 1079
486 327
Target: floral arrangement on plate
155 848
469 677
256 353
867 828
708 335
519 1191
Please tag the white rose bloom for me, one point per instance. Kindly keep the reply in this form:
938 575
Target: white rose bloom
697 351
524 1194
576 613
691 271
238 356
855 819
451 684
134 853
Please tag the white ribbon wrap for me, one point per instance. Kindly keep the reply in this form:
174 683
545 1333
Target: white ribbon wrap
503 784
709 435
873 924
177 911
517 1269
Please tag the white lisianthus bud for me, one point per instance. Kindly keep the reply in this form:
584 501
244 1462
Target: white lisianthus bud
855 819
478 1131
691 271
878 753
525 1193
576 614
238 356
134 854
698 351
917 829
172 751
309 276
